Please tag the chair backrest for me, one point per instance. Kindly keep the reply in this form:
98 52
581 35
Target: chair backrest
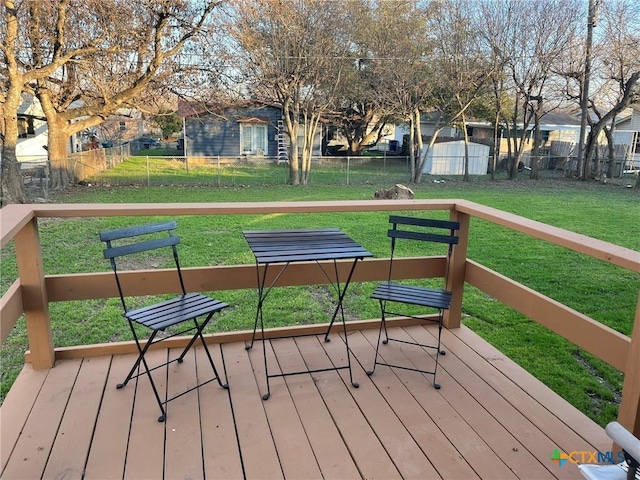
138 239
423 230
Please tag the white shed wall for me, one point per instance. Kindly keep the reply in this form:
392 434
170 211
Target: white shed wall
447 158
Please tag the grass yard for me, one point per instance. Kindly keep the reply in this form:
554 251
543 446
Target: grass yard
607 293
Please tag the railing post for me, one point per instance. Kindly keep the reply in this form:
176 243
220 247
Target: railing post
453 316
629 412
34 295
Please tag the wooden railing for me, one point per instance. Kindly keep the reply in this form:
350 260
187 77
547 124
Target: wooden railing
32 292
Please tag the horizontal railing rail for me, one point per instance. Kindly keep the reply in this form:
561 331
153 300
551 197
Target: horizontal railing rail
32 292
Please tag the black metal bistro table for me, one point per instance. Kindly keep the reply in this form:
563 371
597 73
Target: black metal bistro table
280 248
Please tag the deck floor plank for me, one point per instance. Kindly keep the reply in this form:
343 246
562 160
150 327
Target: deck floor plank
504 449
260 458
145 452
366 449
506 409
183 441
109 447
71 448
450 443
398 441
583 426
16 407
563 436
221 455
329 449
32 450
294 450
489 420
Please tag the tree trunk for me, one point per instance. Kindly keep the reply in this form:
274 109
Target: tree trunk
11 185
496 145
412 149
310 128
62 173
513 159
590 150
535 153
465 177
611 150
292 121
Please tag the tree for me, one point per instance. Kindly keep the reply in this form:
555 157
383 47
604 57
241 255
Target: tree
12 189
462 70
388 79
618 64
529 38
168 121
292 53
364 102
85 59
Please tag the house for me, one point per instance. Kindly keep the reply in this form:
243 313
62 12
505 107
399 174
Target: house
627 134
559 133
125 125
249 128
32 131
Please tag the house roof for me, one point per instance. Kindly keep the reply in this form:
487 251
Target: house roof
628 112
555 118
192 109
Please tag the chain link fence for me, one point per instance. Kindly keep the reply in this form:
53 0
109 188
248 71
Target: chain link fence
236 171
116 167
36 170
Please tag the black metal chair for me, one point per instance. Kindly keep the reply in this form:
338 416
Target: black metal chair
392 295
181 312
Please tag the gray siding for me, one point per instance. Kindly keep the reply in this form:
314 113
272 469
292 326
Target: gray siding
219 135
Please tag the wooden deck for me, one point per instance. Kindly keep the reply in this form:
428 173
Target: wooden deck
489 420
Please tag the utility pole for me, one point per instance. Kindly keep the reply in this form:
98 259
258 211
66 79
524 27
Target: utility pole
584 94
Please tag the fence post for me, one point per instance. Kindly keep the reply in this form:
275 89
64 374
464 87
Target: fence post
34 295
457 268
348 159
218 164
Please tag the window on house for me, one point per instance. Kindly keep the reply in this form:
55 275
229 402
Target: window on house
25 127
544 136
123 126
253 138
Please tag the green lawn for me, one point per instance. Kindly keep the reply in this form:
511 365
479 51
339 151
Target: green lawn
606 293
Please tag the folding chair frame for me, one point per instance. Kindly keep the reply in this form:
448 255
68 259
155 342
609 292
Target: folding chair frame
159 316
407 228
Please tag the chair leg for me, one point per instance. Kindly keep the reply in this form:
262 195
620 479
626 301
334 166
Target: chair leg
141 353
141 358
199 328
382 325
198 334
439 350
213 365
163 415
346 341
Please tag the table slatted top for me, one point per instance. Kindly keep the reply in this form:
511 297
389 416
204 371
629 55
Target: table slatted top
300 245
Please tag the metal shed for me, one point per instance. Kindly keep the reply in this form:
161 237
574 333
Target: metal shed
447 158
